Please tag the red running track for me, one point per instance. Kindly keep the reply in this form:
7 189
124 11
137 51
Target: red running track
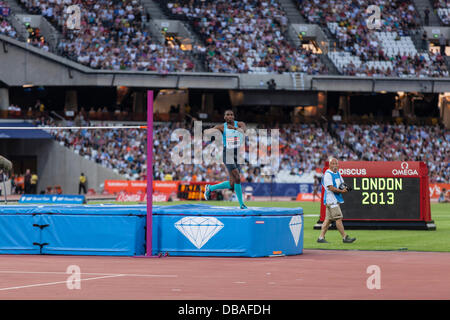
317 274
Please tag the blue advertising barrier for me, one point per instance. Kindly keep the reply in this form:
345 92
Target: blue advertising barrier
180 230
264 189
52 198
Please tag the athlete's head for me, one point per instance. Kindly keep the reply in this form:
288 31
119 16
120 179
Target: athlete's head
229 116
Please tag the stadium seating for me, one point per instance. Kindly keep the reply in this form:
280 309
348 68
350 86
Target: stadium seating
245 37
401 143
442 8
5 27
111 37
384 51
303 149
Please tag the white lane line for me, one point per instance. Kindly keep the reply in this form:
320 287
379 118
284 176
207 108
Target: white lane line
92 274
58 282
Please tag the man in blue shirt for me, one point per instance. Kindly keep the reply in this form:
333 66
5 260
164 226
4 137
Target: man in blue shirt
332 199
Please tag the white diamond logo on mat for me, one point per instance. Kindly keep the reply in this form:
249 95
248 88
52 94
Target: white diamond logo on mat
199 230
296 227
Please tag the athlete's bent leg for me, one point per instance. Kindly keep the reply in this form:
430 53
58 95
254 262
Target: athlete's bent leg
219 186
238 188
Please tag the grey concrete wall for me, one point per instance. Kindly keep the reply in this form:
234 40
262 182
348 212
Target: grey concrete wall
58 165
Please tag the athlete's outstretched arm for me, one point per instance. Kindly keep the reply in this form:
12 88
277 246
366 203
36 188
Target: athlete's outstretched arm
211 130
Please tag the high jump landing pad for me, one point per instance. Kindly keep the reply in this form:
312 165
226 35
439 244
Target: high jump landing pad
179 230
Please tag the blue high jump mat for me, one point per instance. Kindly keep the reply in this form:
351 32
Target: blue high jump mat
204 230
179 230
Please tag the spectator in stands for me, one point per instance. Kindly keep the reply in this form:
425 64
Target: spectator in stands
427 16
424 40
442 44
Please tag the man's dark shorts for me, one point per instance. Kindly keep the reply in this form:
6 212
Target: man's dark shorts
231 164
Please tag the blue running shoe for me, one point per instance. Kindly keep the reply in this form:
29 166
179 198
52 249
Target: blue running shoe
207 193
244 206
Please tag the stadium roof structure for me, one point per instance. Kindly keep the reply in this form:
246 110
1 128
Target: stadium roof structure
22 134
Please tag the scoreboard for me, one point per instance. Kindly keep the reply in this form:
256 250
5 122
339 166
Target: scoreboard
382 198
191 190
385 195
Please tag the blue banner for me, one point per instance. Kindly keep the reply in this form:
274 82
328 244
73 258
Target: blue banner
22 133
52 198
278 189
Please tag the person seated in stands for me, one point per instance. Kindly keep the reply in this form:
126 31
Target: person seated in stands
105 113
30 112
92 114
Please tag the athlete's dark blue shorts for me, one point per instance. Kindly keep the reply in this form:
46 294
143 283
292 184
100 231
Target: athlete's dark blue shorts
232 163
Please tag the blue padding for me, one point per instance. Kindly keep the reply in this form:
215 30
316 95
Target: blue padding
93 235
18 234
201 230
137 210
204 209
183 209
192 229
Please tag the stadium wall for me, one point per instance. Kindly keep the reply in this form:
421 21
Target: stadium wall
58 165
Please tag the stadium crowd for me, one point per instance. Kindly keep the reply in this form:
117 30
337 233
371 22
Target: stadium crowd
430 144
397 15
111 36
304 148
122 150
348 20
245 36
442 8
5 27
242 36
